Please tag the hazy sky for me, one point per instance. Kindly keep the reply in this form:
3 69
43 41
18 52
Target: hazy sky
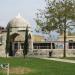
27 8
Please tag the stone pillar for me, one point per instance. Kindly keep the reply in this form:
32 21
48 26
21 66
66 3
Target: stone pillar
30 45
30 42
18 48
18 45
13 47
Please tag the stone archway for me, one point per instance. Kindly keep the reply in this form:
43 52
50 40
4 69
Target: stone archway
17 44
12 40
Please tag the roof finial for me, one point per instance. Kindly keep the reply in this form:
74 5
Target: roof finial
18 15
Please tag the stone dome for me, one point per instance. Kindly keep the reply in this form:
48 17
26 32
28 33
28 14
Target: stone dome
18 22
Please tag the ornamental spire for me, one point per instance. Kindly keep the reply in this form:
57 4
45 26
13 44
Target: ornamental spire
18 15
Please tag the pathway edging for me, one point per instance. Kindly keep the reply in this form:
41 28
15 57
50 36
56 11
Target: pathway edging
61 60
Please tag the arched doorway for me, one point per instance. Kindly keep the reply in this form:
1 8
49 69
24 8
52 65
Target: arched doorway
17 44
13 45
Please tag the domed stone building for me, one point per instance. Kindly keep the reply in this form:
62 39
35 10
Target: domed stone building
17 36
37 43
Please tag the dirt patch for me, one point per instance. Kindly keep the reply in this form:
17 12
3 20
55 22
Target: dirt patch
19 70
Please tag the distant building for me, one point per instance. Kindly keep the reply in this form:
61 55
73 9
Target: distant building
70 45
38 45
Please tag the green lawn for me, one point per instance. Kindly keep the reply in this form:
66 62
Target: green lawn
40 66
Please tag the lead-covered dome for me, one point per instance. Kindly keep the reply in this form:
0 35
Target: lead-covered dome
19 22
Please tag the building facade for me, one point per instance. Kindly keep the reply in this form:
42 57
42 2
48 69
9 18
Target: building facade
17 36
38 46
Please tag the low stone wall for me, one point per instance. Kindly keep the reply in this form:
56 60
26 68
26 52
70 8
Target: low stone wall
2 53
55 52
70 53
44 53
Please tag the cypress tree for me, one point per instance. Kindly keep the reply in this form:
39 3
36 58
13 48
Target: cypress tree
8 41
26 43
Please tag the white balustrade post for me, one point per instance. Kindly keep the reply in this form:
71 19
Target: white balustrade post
8 69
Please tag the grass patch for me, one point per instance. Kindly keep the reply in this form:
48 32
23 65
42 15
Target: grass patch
38 66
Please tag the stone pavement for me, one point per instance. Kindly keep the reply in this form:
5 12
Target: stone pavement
61 60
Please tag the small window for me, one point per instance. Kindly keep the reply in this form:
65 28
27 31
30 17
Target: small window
43 45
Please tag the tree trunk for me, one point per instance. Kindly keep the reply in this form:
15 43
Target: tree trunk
64 53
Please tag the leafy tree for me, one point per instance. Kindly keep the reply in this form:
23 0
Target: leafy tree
26 43
56 16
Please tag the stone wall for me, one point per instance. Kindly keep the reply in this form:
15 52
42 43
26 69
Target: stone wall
2 51
55 53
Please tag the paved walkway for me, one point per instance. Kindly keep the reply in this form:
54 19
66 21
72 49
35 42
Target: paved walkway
61 60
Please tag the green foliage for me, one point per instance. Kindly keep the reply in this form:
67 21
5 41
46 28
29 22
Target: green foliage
8 40
54 14
8 43
26 43
10 51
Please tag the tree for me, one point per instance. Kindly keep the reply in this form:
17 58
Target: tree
56 16
8 41
26 43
